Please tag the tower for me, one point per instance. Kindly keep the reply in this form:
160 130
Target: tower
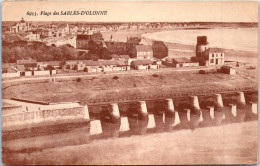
201 46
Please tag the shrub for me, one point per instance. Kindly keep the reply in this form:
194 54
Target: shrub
78 79
115 78
155 75
202 72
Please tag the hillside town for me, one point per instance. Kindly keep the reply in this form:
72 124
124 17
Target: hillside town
133 54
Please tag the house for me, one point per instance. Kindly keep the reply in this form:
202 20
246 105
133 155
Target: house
160 50
132 42
82 52
82 41
228 70
29 64
208 56
8 68
49 64
92 66
124 57
116 47
122 65
20 26
71 65
143 64
115 57
108 63
142 52
181 62
89 41
211 56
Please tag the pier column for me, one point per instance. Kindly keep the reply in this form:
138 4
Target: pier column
218 109
138 118
230 113
110 119
251 111
254 108
159 116
86 117
241 107
95 127
86 112
207 114
171 116
184 114
195 112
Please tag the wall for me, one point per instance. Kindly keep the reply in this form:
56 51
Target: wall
39 116
28 73
45 72
54 72
7 75
141 67
153 66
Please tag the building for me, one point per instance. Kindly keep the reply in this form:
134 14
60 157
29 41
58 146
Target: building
183 62
48 65
132 42
160 50
29 64
89 42
116 47
8 68
208 56
179 62
82 41
143 64
115 57
212 56
228 70
124 57
20 26
201 46
120 57
142 52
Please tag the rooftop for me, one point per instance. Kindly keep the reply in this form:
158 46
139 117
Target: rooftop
143 48
215 50
124 56
26 61
142 62
181 60
83 37
92 63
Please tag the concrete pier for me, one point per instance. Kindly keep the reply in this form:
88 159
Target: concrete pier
95 127
151 121
241 106
110 120
138 118
230 113
208 113
184 114
171 116
218 109
251 111
124 125
195 112
159 114
254 108
211 112
86 112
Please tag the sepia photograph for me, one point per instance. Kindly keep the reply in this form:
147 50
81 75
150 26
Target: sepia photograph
129 82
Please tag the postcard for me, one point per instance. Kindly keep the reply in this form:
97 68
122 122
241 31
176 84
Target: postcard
129 82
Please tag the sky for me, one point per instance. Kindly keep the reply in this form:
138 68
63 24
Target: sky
135 11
